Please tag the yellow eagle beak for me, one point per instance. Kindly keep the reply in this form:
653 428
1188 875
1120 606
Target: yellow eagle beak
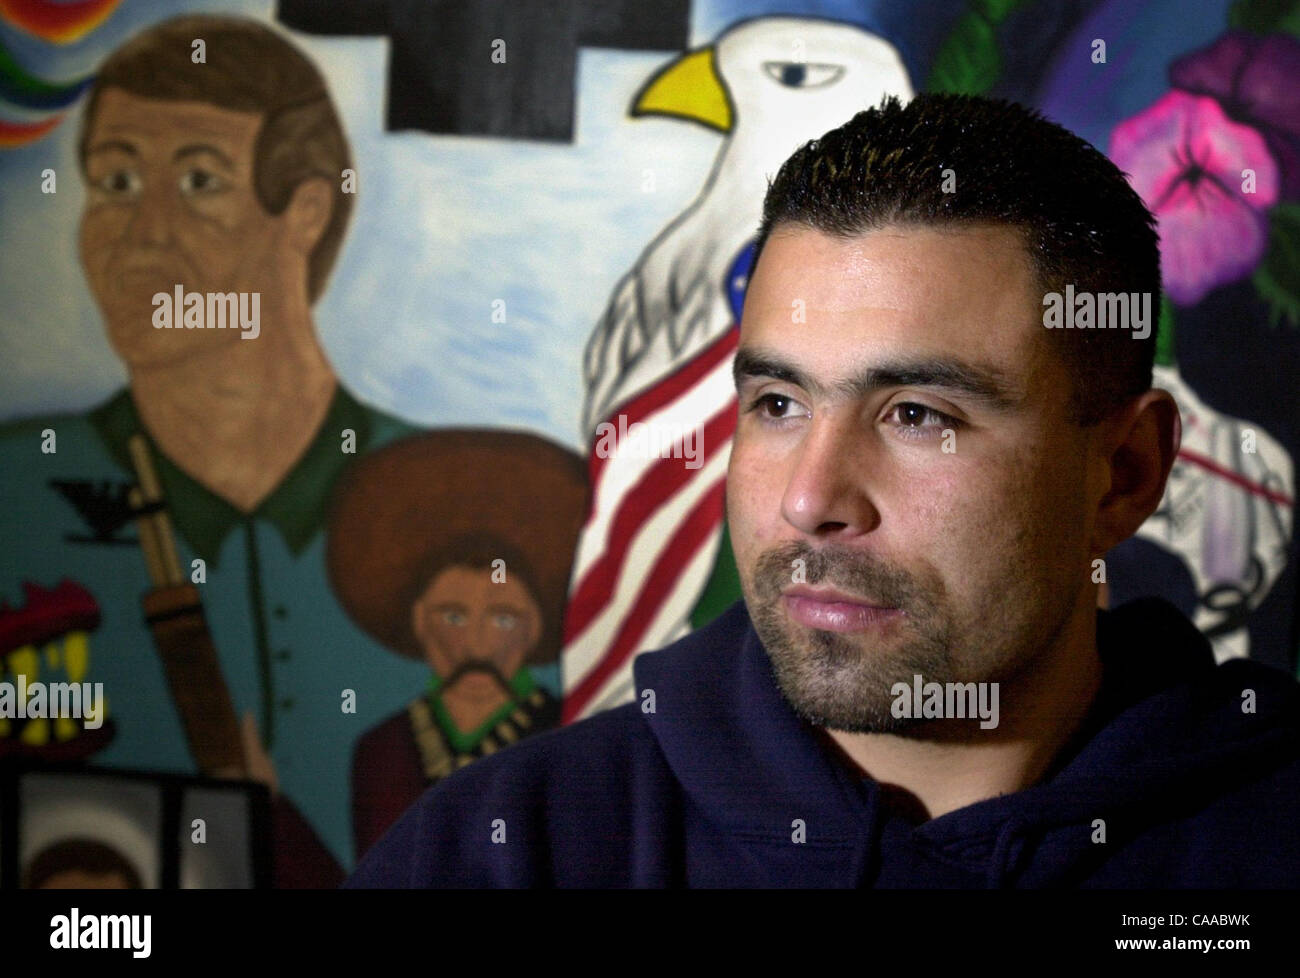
688 88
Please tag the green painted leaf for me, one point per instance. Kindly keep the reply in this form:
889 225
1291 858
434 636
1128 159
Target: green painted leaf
1266 16
968 62
1277 279
723 589
996 11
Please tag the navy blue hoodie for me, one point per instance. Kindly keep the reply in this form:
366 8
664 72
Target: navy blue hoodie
1186 785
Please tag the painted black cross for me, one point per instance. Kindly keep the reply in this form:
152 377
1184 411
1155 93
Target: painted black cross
441 74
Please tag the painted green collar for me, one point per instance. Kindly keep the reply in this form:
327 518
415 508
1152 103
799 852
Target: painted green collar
520 685
297 506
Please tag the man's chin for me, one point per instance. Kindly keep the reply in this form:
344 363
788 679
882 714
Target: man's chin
840 680
140 345
830 709
142 354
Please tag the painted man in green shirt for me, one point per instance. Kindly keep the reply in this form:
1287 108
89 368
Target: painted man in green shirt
226 177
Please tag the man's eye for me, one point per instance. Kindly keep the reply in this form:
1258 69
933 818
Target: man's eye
504 620
911 415
775 407
201 182
119 182
454 617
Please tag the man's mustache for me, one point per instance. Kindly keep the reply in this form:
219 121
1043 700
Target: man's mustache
476 665
850 570
161 264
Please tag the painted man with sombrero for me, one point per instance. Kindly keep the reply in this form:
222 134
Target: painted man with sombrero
454 547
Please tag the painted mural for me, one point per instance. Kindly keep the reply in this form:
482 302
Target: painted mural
366 392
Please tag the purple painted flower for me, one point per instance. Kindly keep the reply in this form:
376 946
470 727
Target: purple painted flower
1185 159
1255 79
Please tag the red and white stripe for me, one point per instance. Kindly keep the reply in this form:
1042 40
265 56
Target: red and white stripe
651 536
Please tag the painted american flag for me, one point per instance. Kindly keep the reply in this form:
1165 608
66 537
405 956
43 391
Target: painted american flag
654 528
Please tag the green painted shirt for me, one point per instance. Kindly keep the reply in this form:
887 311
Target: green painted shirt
287 649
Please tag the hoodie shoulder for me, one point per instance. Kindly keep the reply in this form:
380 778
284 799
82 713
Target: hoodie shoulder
592 804
568 807
538 813
691 665
1196 772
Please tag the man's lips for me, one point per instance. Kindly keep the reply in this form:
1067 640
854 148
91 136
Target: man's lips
835 611
151 280
158 266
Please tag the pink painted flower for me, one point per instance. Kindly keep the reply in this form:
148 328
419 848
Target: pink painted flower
1186 158
1254 78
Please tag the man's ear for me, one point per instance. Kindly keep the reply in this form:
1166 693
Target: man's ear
308 213
1140 444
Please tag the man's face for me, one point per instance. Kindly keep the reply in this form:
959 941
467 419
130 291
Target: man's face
475 632
906 494
170 201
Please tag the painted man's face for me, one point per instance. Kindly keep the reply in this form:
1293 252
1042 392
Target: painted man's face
906 494
464 620
170 201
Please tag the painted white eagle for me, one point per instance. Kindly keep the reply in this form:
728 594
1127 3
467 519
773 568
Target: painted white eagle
769 85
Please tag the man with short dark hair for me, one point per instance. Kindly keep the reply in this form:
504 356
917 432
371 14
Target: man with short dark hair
934 450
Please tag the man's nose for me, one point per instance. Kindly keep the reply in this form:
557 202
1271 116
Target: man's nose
473 638
826 489
154 218
467 645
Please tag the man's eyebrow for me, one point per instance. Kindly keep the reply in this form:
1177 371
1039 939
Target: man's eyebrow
752 364
196 149
109 144
978 382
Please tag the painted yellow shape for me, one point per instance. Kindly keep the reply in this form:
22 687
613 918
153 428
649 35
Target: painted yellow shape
52 655
65 729
25 662
76 655
36 733
5 727
689 88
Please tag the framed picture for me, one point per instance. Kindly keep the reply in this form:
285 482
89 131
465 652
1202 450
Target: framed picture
88 828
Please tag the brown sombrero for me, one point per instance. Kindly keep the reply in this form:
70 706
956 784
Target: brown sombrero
403 505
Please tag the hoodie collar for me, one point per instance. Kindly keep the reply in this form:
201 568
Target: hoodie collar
752 764
737 748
